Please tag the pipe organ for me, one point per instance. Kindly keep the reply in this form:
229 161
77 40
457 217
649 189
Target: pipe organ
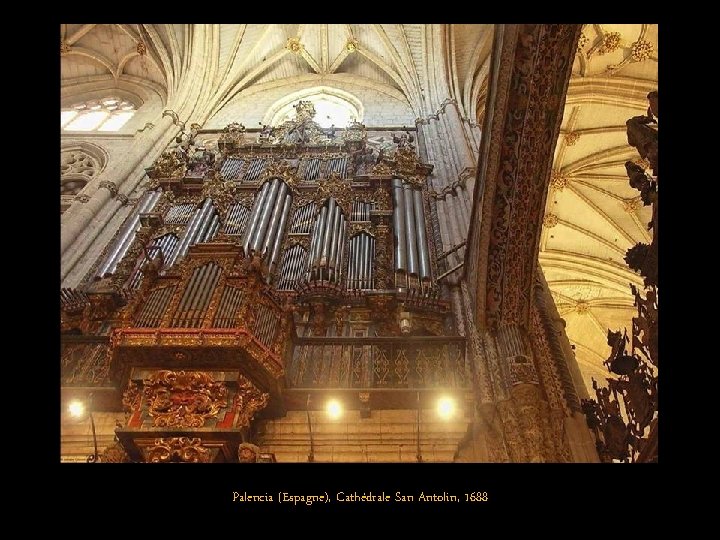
362 252
328 237
267 219
126 235
254 169
412 258
236 220
231 168
293 267
297 235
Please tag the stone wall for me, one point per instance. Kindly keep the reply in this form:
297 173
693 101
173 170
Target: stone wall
388 436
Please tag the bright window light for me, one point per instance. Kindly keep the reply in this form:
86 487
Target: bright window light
66 116
328 113
116 121
109 114
329 110
87 121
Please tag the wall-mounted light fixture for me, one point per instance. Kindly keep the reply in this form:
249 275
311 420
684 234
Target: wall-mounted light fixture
80 410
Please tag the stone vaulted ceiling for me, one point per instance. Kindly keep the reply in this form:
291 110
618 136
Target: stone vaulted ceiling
95 53
592 215
238 56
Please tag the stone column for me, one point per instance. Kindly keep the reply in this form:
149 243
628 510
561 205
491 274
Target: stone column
123 176
91 224
522 413
462 143
564 354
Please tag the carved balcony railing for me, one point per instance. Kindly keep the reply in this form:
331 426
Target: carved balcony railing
379 363
84 361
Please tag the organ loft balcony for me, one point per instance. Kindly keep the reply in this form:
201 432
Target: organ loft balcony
213 311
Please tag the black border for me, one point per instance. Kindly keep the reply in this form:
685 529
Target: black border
597 493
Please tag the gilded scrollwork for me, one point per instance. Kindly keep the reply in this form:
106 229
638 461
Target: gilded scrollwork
177 449
337 188
115 453
183 398
231 138
357 228
355 132
302 129
248 453
280 169
303 241
249 400
169 165
382 199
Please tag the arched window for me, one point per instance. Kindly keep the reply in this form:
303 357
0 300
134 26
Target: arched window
108 114
330 109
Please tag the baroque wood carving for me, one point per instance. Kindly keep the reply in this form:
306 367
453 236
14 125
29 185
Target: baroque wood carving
536 60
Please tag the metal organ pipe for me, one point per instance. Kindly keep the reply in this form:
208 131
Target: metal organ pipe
208 286
192 299
326 232
327 243
358 262
335 240
184 236
421 235
411 238
259 233
286 268
278 236
361 262
352 264
229 304
371 283
254 169
317 237
182 307
339 253
254 214
312 169
179 214
191 230
399 225
279 206
368 264
204 223
294 266
237 219
212 229
267 220
303 219
231 168
368 261
166 243
128 232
